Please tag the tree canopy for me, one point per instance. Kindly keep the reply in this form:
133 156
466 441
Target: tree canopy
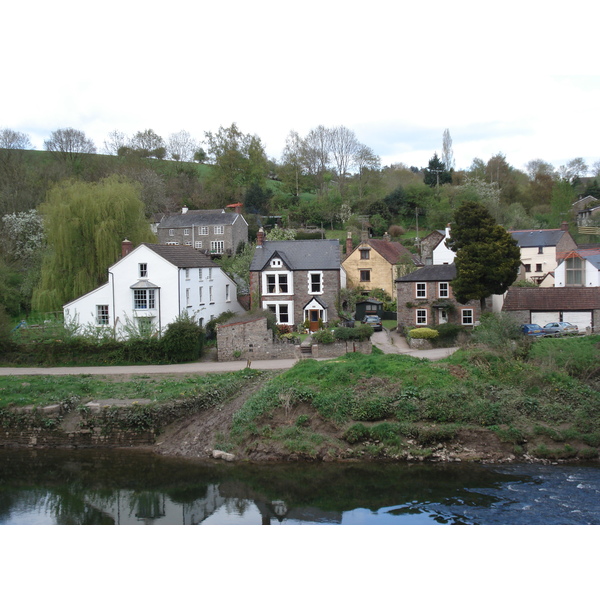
85 224
487 257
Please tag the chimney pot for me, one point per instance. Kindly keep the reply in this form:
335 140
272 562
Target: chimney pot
184 209
260 238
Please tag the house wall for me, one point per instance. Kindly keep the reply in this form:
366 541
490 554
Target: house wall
442 255
408 304
428 243
382 273
300 296
591 275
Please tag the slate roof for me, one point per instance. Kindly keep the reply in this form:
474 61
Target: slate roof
299 255
193 218
534 238
559 298
431 273
391 251
184 257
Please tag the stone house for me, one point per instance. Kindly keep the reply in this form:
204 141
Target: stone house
373 264
579 306
428 244
426 299
215 232
298 280
152 285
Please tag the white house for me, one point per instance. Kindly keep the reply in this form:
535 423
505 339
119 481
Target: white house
151 286
442 255
579 268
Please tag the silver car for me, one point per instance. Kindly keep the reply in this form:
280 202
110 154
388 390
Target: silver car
560 328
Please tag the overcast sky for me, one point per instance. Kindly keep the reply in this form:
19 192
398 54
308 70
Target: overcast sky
520 78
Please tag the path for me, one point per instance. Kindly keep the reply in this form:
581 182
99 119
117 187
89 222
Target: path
388 342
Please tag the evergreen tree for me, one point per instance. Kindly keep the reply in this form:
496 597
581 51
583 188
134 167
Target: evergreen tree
85 224
436 173
487 257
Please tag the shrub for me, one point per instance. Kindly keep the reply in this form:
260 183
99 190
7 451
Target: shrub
323 336
182 341
211 326
448 333
374 409
356 433
423 333
359 334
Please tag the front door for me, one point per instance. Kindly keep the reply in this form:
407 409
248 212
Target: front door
442 316
314 320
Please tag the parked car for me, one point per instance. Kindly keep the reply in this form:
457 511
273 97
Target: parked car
533 330
560 328
374 321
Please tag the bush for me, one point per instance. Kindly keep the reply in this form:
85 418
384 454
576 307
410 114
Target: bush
423 333
182 341
448 333
358 334
211 326
323 336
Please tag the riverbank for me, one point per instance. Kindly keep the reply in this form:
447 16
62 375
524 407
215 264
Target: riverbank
475 405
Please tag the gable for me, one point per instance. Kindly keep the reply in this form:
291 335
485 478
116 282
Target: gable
300 255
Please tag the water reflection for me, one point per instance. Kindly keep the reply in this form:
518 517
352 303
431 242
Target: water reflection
127 488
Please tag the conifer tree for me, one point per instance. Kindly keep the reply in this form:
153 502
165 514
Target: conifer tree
487 257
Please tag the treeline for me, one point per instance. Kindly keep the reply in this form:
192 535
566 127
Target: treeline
327 178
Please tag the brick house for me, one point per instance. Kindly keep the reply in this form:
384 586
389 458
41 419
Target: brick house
373 263
425 299
215 232
576 305
298 280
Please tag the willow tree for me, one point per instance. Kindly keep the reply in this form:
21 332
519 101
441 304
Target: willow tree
85 224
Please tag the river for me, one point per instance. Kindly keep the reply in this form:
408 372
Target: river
131 487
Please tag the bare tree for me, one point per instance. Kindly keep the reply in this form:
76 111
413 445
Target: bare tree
315 154
181 146
148 143
14 140
69 144
116 140
574 169
344 146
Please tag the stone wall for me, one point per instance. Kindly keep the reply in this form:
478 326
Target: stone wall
253 340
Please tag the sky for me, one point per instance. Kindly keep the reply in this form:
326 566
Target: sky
517 78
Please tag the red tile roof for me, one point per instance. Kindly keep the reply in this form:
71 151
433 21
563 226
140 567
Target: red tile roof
391 251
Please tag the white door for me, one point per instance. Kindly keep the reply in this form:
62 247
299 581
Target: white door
581 318
442 316
541 318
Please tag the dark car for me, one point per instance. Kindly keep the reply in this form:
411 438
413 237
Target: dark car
531 329
374 321
559 328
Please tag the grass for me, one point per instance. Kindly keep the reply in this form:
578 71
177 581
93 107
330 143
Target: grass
44 390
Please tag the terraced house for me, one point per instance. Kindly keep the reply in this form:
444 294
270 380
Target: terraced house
214 232
298 280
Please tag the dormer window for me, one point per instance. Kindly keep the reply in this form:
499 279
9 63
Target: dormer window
276 262
143 270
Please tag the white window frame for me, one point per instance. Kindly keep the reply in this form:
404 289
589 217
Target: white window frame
467 314
143 270
144 299
198 245
219 229
217 246
200 274
200 301
227 293
447 289
421 316
171 232
187 297
102 314
276 263
277 275
186 231
290 311
188 243
210 295
310 282
421 292
203 230
187 273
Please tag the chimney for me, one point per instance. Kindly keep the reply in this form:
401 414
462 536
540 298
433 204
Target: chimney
448 231
126 248
260 238
184 209
386 237
564 226
348 243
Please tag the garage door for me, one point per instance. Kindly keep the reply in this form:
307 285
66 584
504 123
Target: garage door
582 318
541 318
